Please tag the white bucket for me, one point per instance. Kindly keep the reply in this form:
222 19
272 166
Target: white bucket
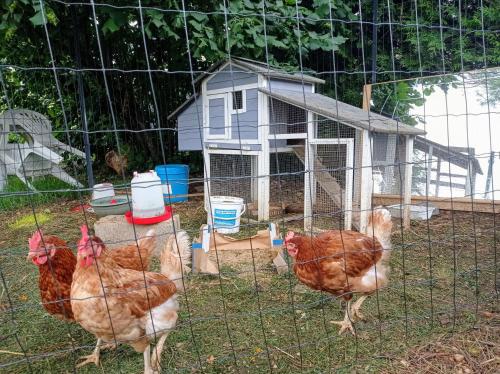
226 213
102 190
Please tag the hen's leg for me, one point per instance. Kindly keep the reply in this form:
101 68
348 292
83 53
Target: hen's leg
157 350
355 312
147 361
92 358
346 324
108 346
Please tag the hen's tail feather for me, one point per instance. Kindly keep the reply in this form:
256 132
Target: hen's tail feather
380 226
148 241
181 247
175 258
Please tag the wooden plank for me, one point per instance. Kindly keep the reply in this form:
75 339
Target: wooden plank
366 184
367 96
429 171
444 203
407 181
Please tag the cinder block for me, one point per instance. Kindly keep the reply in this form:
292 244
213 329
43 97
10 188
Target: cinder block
115 231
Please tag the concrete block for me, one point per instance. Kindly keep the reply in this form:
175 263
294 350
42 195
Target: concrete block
115 231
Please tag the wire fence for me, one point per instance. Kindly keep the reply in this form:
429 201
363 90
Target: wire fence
313 114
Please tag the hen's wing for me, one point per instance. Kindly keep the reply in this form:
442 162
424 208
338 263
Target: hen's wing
135 257
132 257
55 284
140 291
355 252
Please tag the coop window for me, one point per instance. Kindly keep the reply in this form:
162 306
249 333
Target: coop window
239 101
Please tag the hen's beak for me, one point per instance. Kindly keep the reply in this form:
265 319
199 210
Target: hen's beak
30 256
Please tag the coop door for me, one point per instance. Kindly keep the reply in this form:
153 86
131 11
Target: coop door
329 187
218 118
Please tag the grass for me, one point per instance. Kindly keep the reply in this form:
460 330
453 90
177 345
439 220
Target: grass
16 194
275 324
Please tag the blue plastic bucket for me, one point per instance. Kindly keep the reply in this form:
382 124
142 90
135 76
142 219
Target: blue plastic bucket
175 181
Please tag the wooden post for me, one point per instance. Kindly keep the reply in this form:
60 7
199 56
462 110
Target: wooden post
311 134
367 96
308 170
429 170
438 176
407 181
366 182
489 175
263 158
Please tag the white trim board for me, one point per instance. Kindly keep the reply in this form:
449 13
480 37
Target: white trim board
243 101
227 118
231 89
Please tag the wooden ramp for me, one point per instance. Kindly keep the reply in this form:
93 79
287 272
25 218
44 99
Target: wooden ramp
328 183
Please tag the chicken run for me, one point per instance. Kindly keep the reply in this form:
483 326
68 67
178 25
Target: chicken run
249 187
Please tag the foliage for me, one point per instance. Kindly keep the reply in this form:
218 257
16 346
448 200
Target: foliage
323 35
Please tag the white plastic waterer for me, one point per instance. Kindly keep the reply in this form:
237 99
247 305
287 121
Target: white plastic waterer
147 195
103 190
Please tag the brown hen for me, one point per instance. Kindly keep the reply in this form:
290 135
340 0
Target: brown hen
56 264
344 262
124 305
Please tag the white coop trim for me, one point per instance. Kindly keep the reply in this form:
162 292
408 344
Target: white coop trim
242 87
320 175
366 179
227 117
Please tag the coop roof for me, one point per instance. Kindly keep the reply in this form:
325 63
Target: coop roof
249 65
342 112
260 68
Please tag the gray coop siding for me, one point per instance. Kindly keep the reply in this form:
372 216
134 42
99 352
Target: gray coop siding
226 79
234 146
190 131
278 143
279 84
216 116
246 123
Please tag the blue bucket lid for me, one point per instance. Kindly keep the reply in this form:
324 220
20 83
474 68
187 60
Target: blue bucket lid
172 167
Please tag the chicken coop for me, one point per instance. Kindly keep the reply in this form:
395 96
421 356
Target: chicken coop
269 137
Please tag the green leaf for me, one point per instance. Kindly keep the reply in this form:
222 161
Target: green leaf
158 22
110 26
196 25
148 32
37 19
200 17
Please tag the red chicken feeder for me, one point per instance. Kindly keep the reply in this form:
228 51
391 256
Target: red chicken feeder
150 220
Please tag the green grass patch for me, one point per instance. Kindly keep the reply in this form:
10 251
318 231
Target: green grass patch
29 222
48 189
229 324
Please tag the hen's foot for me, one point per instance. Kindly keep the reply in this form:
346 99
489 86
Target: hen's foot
355 309
346 324
90 359
356 314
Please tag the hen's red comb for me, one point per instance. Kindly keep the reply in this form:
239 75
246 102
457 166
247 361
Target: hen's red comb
85 236
289 235
35 240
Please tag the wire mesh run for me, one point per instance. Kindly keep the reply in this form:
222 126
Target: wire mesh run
388 163
232 175
286 118
326 128
287 182
329 184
